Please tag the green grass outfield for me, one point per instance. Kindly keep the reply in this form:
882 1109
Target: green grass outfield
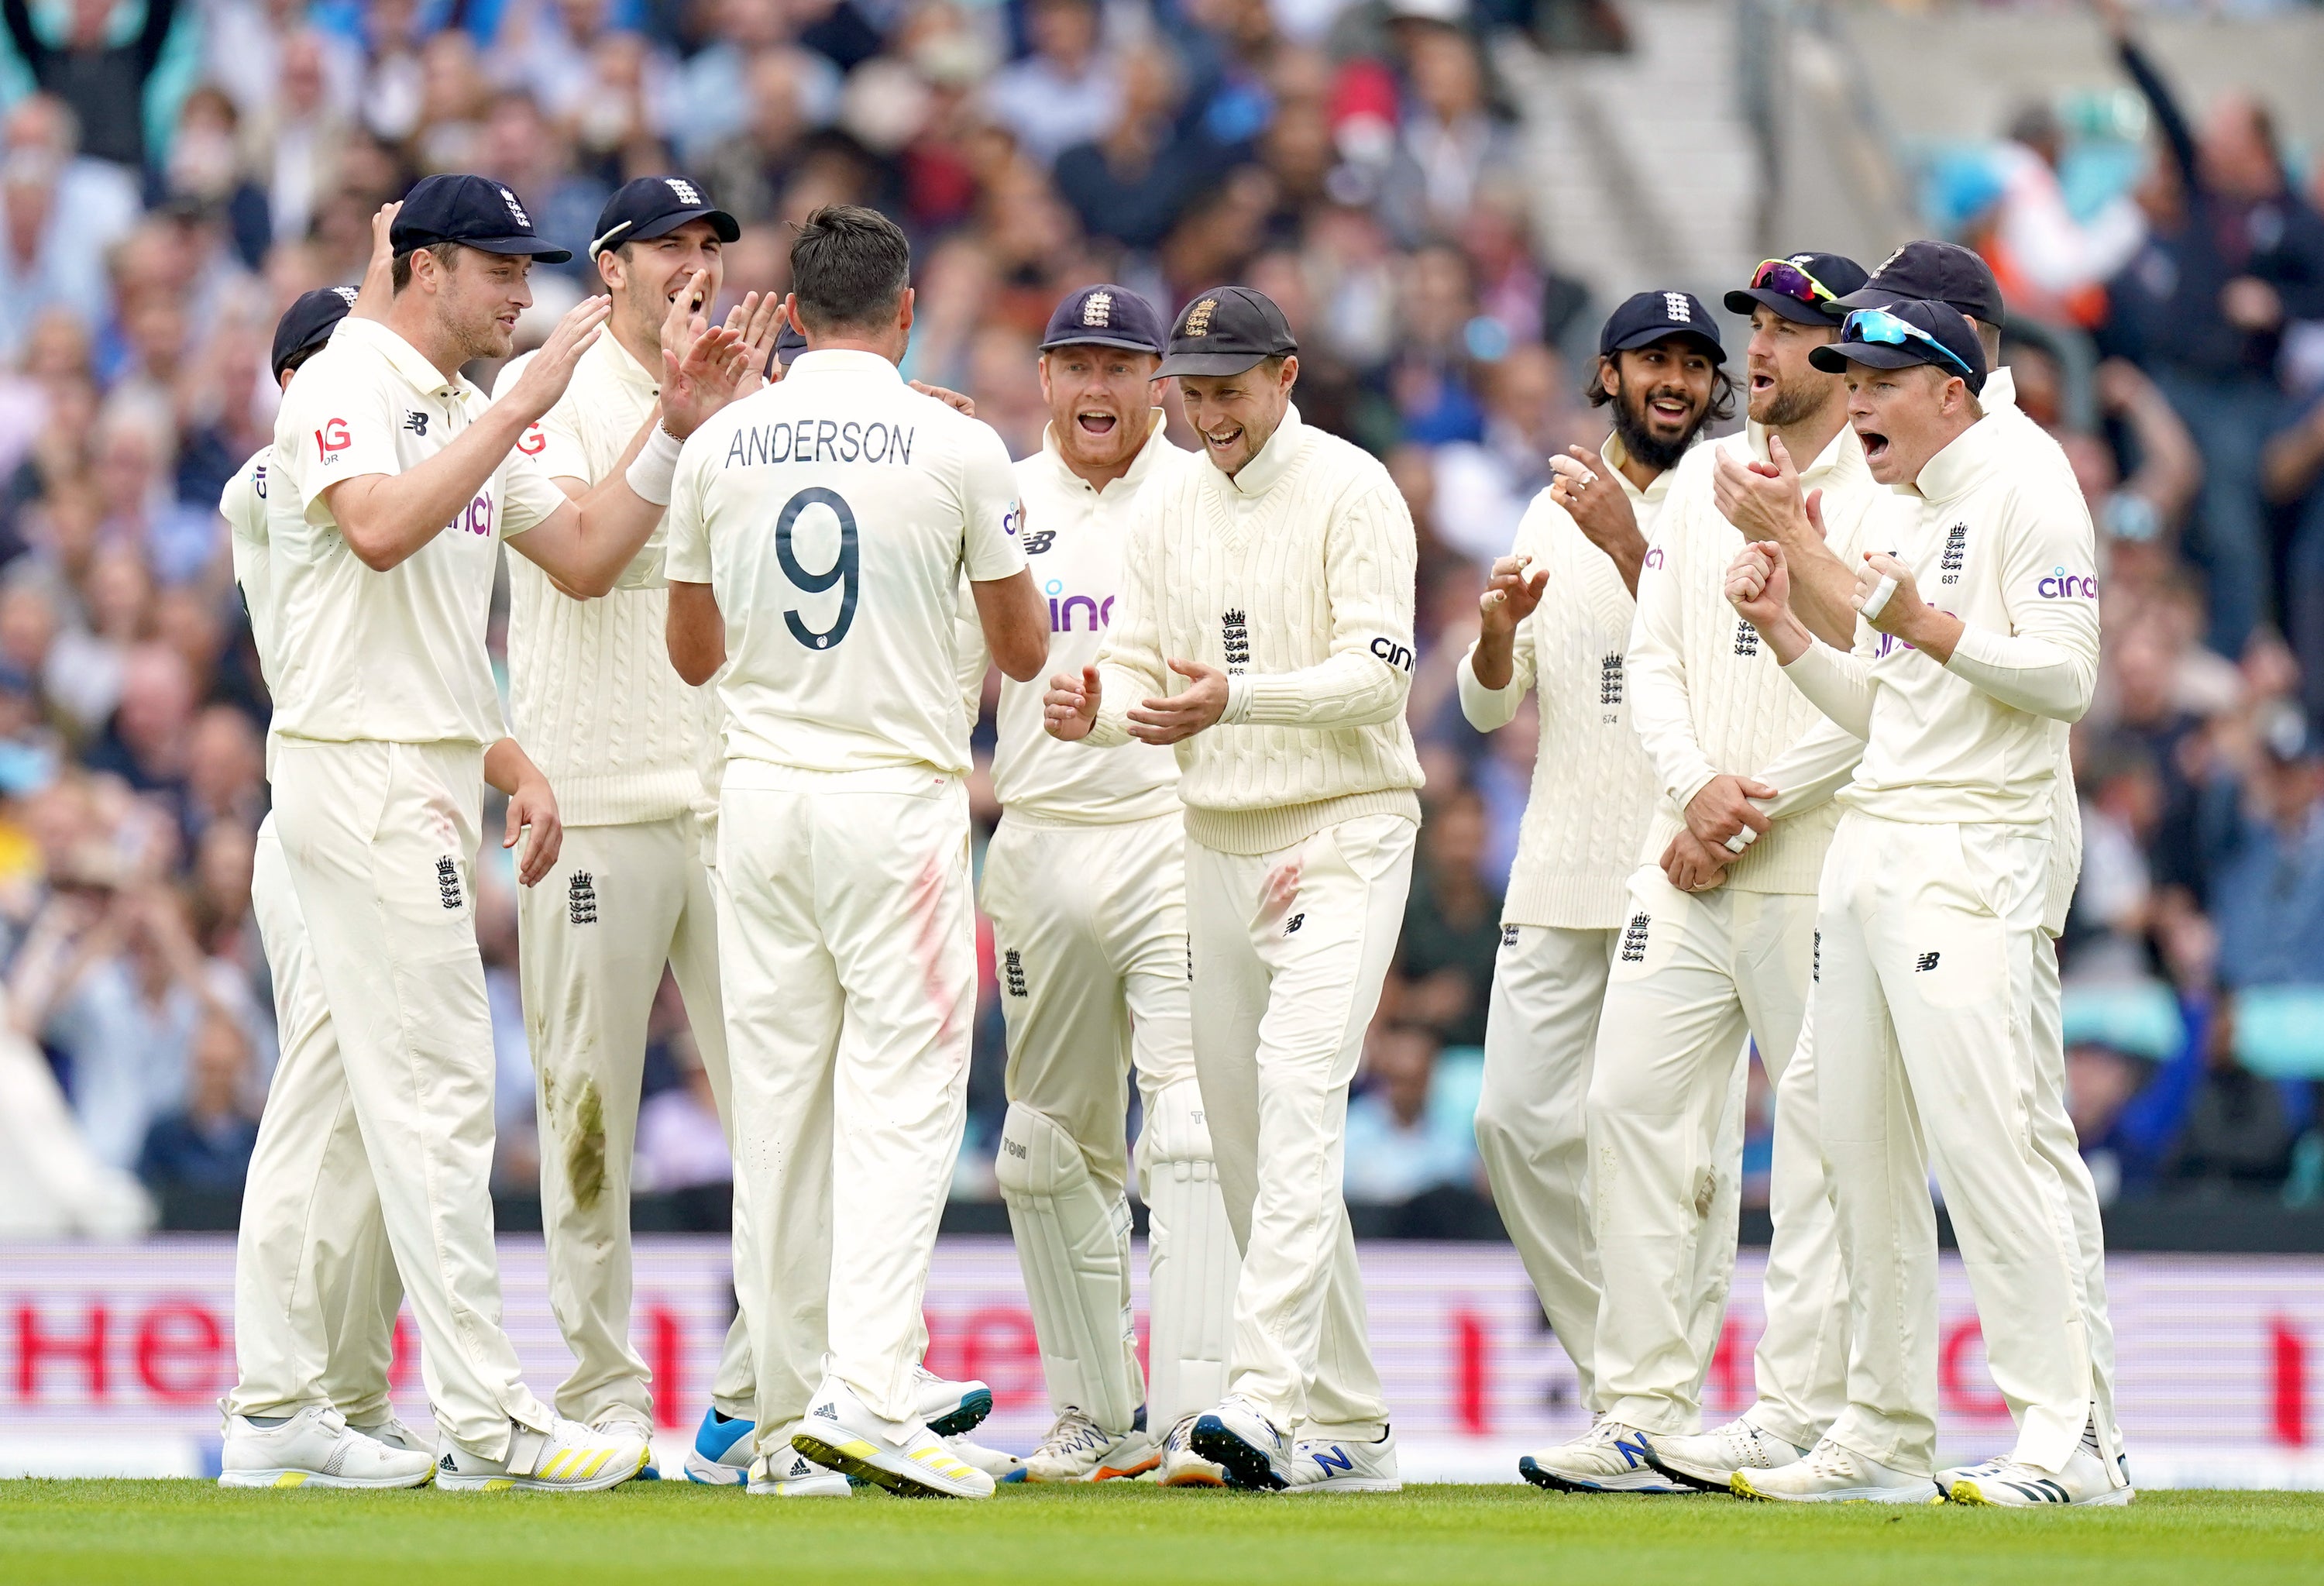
187 1534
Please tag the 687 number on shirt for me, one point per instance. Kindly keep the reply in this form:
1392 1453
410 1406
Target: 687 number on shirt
846 569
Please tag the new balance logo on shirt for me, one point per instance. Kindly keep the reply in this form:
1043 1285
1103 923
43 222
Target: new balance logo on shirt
1924 963
1293 923
416 421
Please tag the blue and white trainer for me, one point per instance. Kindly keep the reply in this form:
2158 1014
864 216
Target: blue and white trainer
1238 1437
950 1408
791 1474
1333 1464
1608 1458
1078 1448
1181 1465
721 1454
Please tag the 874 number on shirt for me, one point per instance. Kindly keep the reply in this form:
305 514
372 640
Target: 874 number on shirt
846 569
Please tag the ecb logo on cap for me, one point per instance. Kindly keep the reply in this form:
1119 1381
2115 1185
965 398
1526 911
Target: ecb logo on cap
516 209
1802 260
1097 310
687 193
1198 318
346 294
1674 304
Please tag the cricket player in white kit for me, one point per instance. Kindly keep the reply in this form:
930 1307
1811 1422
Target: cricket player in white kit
1768 497
1277 582
625 740
1718 946
1085 882
1931 912
316 1291
1556 617
391 486
817 540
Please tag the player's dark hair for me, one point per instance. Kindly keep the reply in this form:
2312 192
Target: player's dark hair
849 266
400 273
1723 389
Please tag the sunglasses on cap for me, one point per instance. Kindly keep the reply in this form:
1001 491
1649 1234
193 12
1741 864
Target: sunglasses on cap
1878 325
1787 279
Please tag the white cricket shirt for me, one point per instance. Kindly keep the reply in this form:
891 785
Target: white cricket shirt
2008 548
1076 541
832 516
243 505
398 656
592 694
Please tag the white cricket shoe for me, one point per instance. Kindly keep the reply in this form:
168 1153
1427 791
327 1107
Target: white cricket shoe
1078 1448
721 1454
950 1408
1608 1458
791 1474
396 1434
1833 1474
568 1457
1181 1466
1708 1461
1238 1437
1329 1464
2013 1484
316 1448
841 1432
631 1425
998 1464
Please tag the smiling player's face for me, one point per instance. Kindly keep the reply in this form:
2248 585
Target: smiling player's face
1099 400
646 277
479 297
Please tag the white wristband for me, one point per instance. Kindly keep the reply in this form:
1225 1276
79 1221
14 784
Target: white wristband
656 468
1237 703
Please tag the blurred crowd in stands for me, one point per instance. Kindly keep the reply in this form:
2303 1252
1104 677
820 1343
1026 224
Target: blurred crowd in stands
173 174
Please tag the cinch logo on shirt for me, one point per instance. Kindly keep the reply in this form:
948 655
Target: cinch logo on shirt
1654 556
1013 519
258 480
475 519
1889 645
1390 651
1061 613
2060 585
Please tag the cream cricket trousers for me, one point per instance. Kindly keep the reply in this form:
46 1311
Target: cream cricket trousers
315 1285
381 840
1282 997
1695 975
847 951
593 934
1928 1053
1090 930
2055 1139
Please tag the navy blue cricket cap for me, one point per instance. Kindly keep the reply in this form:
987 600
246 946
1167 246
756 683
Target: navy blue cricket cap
1225 331
1789 286
655 206
308 324
1648 316
1930 272
473 211
1106 316
1945 327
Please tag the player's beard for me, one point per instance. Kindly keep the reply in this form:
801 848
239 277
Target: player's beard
1794 400
1639 438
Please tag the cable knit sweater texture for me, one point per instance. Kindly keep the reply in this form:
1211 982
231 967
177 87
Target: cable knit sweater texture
1711 698
1295 578
1592 784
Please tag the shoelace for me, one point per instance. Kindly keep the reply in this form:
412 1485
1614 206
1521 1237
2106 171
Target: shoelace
1075 1432
1829 1459
1182 1435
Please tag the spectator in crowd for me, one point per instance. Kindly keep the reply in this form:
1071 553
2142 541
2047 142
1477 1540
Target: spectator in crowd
1066 91
1443 971
2266 826
2292 474
2239 1128
1399 1146
205 1143
103 83
680 1145
2235 256
2050 264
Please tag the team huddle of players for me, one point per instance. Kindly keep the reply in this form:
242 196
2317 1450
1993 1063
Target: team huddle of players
1802 694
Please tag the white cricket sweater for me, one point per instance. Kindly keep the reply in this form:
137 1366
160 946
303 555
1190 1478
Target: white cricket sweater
1593 786
1710 699
1296 578
592 694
